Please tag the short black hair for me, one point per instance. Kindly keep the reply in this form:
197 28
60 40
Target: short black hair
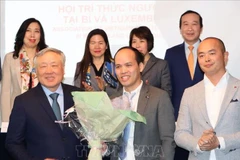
144 33
189 12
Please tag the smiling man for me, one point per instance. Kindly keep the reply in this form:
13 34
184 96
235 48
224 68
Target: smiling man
33 132
153 140
183 64
208 124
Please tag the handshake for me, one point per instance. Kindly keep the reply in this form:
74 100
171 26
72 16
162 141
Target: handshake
208 141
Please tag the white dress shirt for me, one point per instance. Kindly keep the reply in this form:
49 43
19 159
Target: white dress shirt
134 101
214 96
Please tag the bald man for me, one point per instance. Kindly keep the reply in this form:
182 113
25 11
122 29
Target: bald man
208 124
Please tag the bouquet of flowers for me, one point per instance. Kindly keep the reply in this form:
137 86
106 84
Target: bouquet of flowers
98 119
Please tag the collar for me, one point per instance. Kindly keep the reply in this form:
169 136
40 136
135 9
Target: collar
195 45
223 81
48 92
134 91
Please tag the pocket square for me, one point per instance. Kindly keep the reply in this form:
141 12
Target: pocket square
234 100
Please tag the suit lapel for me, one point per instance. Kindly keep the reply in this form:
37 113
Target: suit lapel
182 55
68 100
231 89
197 71
150 63
143 99
184 62
43 101
201 101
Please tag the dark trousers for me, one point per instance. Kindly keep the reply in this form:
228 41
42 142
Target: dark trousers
3 152
181 154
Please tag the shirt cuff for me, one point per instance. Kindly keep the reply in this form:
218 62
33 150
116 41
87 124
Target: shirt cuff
221 143
198 149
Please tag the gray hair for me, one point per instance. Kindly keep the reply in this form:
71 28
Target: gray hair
43 51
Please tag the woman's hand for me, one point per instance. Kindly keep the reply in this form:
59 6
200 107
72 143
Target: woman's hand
87 87
101 83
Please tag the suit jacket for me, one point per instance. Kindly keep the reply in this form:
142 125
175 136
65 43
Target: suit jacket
33 133
155 139
193 120
157 73
11 84
180 75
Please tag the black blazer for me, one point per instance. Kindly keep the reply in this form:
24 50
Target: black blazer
180 75
33 133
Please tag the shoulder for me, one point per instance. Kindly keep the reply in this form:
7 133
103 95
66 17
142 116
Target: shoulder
195 88
78 64
233 79
154 91
174 48
28 95
158 97
157 60
67 87
159 91
161 61
9 56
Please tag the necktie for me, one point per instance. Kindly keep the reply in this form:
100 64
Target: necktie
55 106
191 61
126 132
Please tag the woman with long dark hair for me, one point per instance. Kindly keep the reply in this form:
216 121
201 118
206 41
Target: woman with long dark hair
96 70
18 72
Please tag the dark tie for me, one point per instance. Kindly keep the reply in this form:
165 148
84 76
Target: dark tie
55 106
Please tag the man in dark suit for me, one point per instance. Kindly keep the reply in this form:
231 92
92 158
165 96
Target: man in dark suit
153 140
33 132
191 26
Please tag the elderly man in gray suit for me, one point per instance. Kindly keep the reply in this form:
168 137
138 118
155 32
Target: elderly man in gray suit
208 124
154 140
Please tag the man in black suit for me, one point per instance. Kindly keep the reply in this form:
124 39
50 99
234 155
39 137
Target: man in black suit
33 132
